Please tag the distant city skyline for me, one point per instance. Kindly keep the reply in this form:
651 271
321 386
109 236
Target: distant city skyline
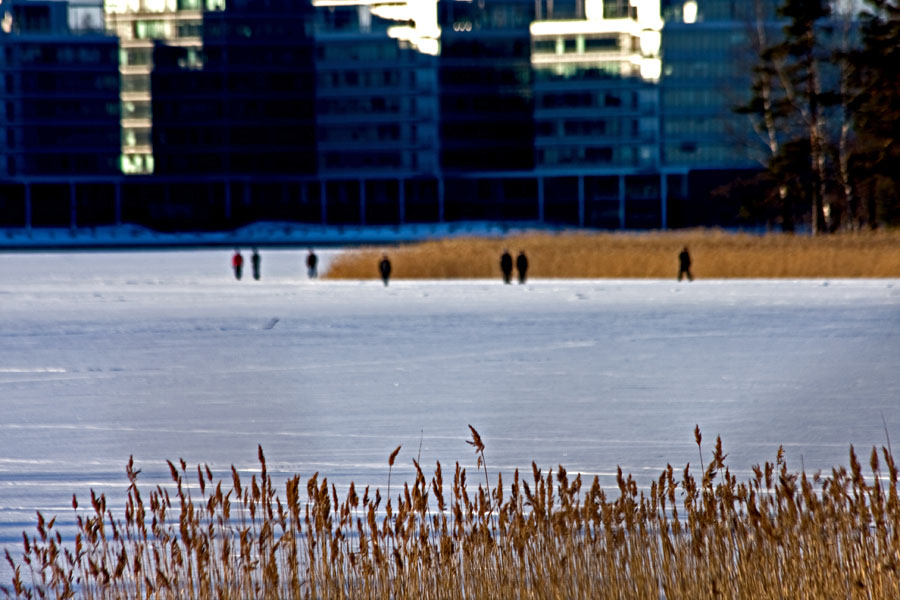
602 113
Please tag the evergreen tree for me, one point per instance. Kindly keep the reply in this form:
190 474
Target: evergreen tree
877 108
803 90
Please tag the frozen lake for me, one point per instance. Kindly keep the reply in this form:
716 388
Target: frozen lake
163 355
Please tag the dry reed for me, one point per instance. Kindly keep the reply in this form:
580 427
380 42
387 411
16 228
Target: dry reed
544 535
715 254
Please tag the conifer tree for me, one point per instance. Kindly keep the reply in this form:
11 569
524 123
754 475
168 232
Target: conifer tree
877 107
802 84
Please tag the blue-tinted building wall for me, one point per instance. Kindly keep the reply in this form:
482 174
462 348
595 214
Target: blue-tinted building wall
376 98
322 116
59 111
249 108
485 85
708 54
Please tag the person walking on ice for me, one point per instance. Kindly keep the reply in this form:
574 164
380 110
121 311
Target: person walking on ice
384 267
684 265
521 266
506 266
237 263
255 260
311 261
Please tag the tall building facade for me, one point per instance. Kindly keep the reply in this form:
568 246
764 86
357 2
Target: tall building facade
376 97
247 106
485 85
595 89
709 49
600 113
139 24
59 112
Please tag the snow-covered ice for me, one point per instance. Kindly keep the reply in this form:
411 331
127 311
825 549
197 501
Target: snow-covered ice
163 355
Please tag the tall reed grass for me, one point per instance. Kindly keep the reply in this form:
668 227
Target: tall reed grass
691 535
715 254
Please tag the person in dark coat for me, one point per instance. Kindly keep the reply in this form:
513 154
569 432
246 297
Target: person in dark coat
255 260
521 266
506 266
237 263
384 267
311 261
684 265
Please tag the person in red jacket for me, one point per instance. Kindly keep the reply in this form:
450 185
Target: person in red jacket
237 263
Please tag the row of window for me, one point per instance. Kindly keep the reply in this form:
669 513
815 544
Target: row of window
212 136
485 76
583 99
359 51
366 79
258 28
720 43
694 153
583 155
245 109
479 105
263 84
371 160
58 55
133 6
41 109
701 99
619 9
62 83
584 44
294 57
712 68
74 138
697 126
379 132
593 72
378 105
59 162
382 132
589 128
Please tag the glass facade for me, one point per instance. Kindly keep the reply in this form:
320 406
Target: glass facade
586 112
376 97
593 105
59 108
707 67
485 86
138 25
250 107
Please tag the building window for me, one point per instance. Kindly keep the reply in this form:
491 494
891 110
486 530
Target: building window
545 46
601 44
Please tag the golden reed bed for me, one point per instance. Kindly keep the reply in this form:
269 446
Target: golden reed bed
638 255
695 534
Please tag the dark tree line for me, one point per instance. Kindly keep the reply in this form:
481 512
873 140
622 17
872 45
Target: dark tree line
826 103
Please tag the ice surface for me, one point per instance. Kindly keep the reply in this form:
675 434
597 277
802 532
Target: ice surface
163 355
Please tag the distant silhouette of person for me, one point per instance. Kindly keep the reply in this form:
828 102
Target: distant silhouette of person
237 263
311 261
521 266
684 265
255 260
384 267
506 266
